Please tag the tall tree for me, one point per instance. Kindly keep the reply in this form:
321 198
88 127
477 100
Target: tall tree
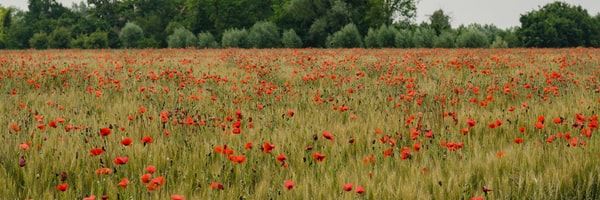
557 24
440 21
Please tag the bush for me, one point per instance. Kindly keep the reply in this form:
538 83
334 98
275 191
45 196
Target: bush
386 36
235 38
290 39
39 41
404 39
60 38
96 40
472 38
130 35
181 38
79 42
207 40
499 43
347 37
371 39
445 40
423 37
148 43
264 35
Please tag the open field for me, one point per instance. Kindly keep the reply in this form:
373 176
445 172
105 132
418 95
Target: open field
300 124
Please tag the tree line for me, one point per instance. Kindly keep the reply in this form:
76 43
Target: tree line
279 23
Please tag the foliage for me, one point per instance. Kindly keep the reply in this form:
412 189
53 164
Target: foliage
347 37
440 22
472 38
424 37
290 39
182 38
207 40
96 40
264 35
386 36
558 24
236 38
130 35
446 39
404 39
60 38
371 39
39 41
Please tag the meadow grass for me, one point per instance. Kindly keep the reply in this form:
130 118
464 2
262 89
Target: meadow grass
369 100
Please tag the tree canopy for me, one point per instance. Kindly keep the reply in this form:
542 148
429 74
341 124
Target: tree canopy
278 23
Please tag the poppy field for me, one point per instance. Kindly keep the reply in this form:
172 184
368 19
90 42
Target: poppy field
300 124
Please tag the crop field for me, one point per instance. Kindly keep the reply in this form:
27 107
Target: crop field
300 124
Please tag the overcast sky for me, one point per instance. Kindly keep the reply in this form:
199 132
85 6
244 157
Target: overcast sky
502 13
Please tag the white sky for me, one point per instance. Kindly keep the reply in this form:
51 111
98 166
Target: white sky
502 13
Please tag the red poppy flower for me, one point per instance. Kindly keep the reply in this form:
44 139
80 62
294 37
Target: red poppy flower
156 183
151 169
539 125
146 178
124 183
89 198
146 140
319 157
347 187
289 184
177 197
96 151
121 160
248 145
471 122
15 127
518 140
328 136
477 198
268 147
104 132
62 187
24 147
281 157
104 170
238 159
360 189
215 185
558 120
126 142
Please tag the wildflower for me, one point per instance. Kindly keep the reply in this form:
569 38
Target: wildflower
126 142
215 185
347 187
289 184
120 160
268 147
62 187
104 132
328 136
123 183
360 189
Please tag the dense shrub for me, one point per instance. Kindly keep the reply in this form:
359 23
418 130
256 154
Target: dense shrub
472 38
347 37
130 35
60 38
445 40
371 39
423 37
404 39
207 40
290 39
96 40
386 36
39 41
235 38
264 35
182 38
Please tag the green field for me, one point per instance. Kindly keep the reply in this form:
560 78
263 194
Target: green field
300 124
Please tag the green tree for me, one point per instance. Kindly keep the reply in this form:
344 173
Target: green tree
439 21
207 40
130 35
386 36
291 40
423 37
557 24
60 38
445 40
347 37
404 39
39 41
264 35
371 39
236 38
472 38
96 40
182 38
